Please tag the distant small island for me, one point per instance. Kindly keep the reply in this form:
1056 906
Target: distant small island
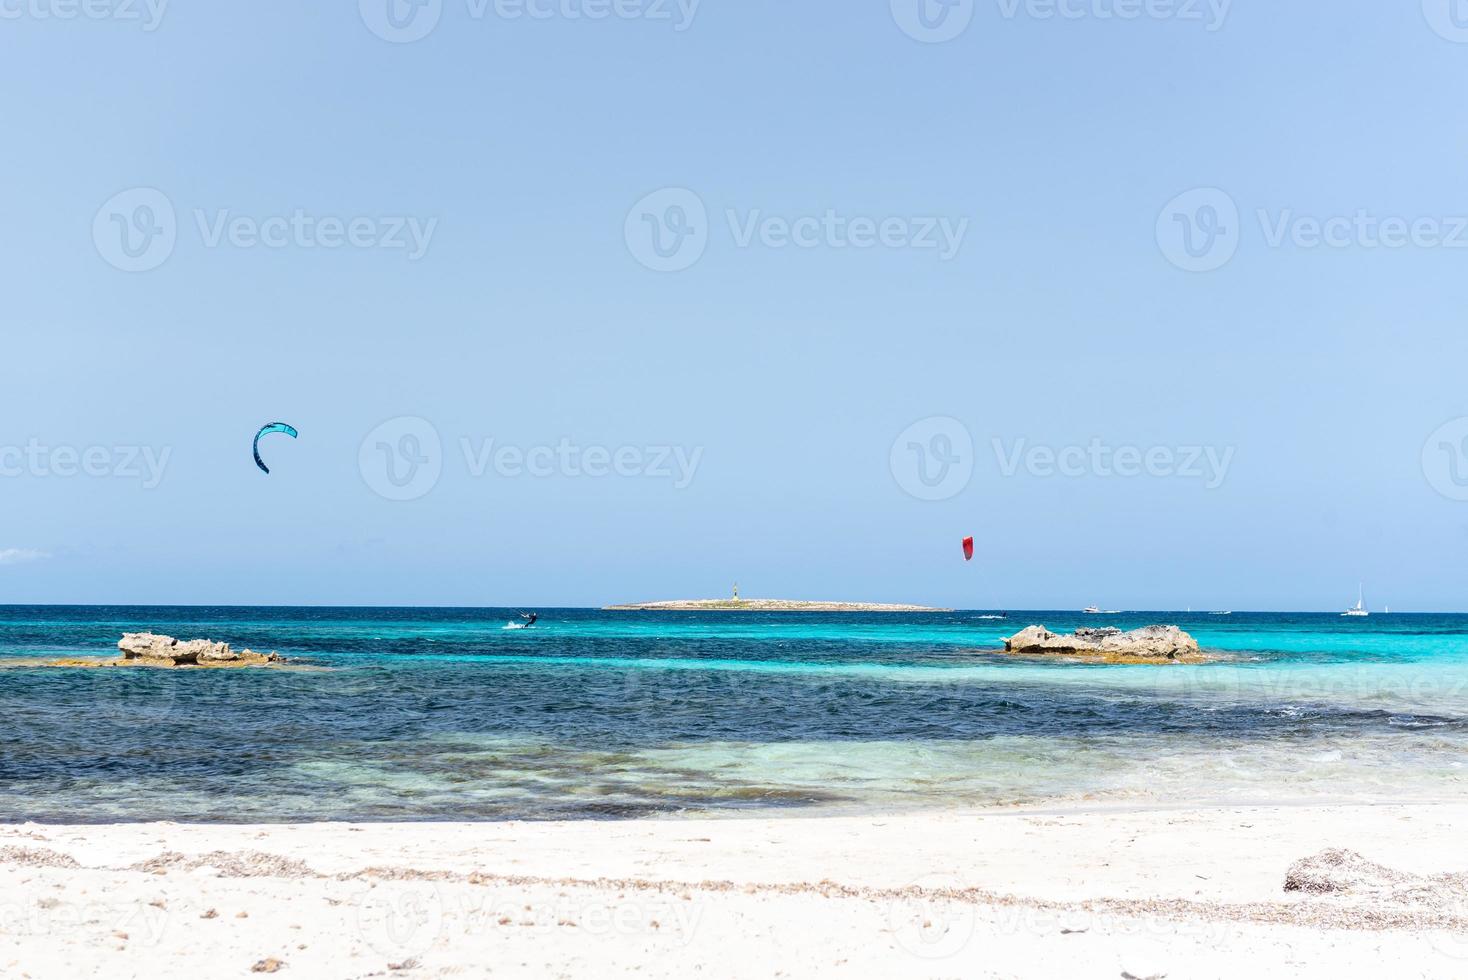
767 605
735 604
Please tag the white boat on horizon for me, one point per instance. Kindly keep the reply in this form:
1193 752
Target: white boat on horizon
1359 609
1092 610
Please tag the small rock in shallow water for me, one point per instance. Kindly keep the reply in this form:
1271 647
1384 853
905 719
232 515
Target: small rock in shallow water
1150 643
159 650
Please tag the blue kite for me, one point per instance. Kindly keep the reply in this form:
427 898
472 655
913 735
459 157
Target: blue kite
273 427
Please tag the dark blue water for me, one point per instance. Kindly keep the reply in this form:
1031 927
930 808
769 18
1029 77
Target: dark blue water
448 714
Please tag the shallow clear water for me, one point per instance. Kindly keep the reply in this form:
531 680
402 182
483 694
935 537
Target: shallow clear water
447 714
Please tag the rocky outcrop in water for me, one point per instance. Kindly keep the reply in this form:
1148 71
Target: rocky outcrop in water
156 650
1160 644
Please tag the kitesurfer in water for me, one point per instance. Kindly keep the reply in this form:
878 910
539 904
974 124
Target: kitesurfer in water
530 618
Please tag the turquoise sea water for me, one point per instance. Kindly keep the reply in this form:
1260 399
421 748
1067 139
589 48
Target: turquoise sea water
449 714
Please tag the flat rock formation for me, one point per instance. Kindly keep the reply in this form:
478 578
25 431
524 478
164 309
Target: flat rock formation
1150 644
768 605
156 650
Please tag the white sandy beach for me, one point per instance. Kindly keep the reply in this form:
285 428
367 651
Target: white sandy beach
1014 893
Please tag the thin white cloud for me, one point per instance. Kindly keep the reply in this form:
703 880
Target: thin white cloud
14 556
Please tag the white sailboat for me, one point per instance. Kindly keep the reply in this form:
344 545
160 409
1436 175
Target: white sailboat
1359 609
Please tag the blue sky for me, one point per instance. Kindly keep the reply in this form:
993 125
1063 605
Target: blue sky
525 311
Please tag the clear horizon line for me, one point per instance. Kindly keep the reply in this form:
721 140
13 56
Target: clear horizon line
1008 610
